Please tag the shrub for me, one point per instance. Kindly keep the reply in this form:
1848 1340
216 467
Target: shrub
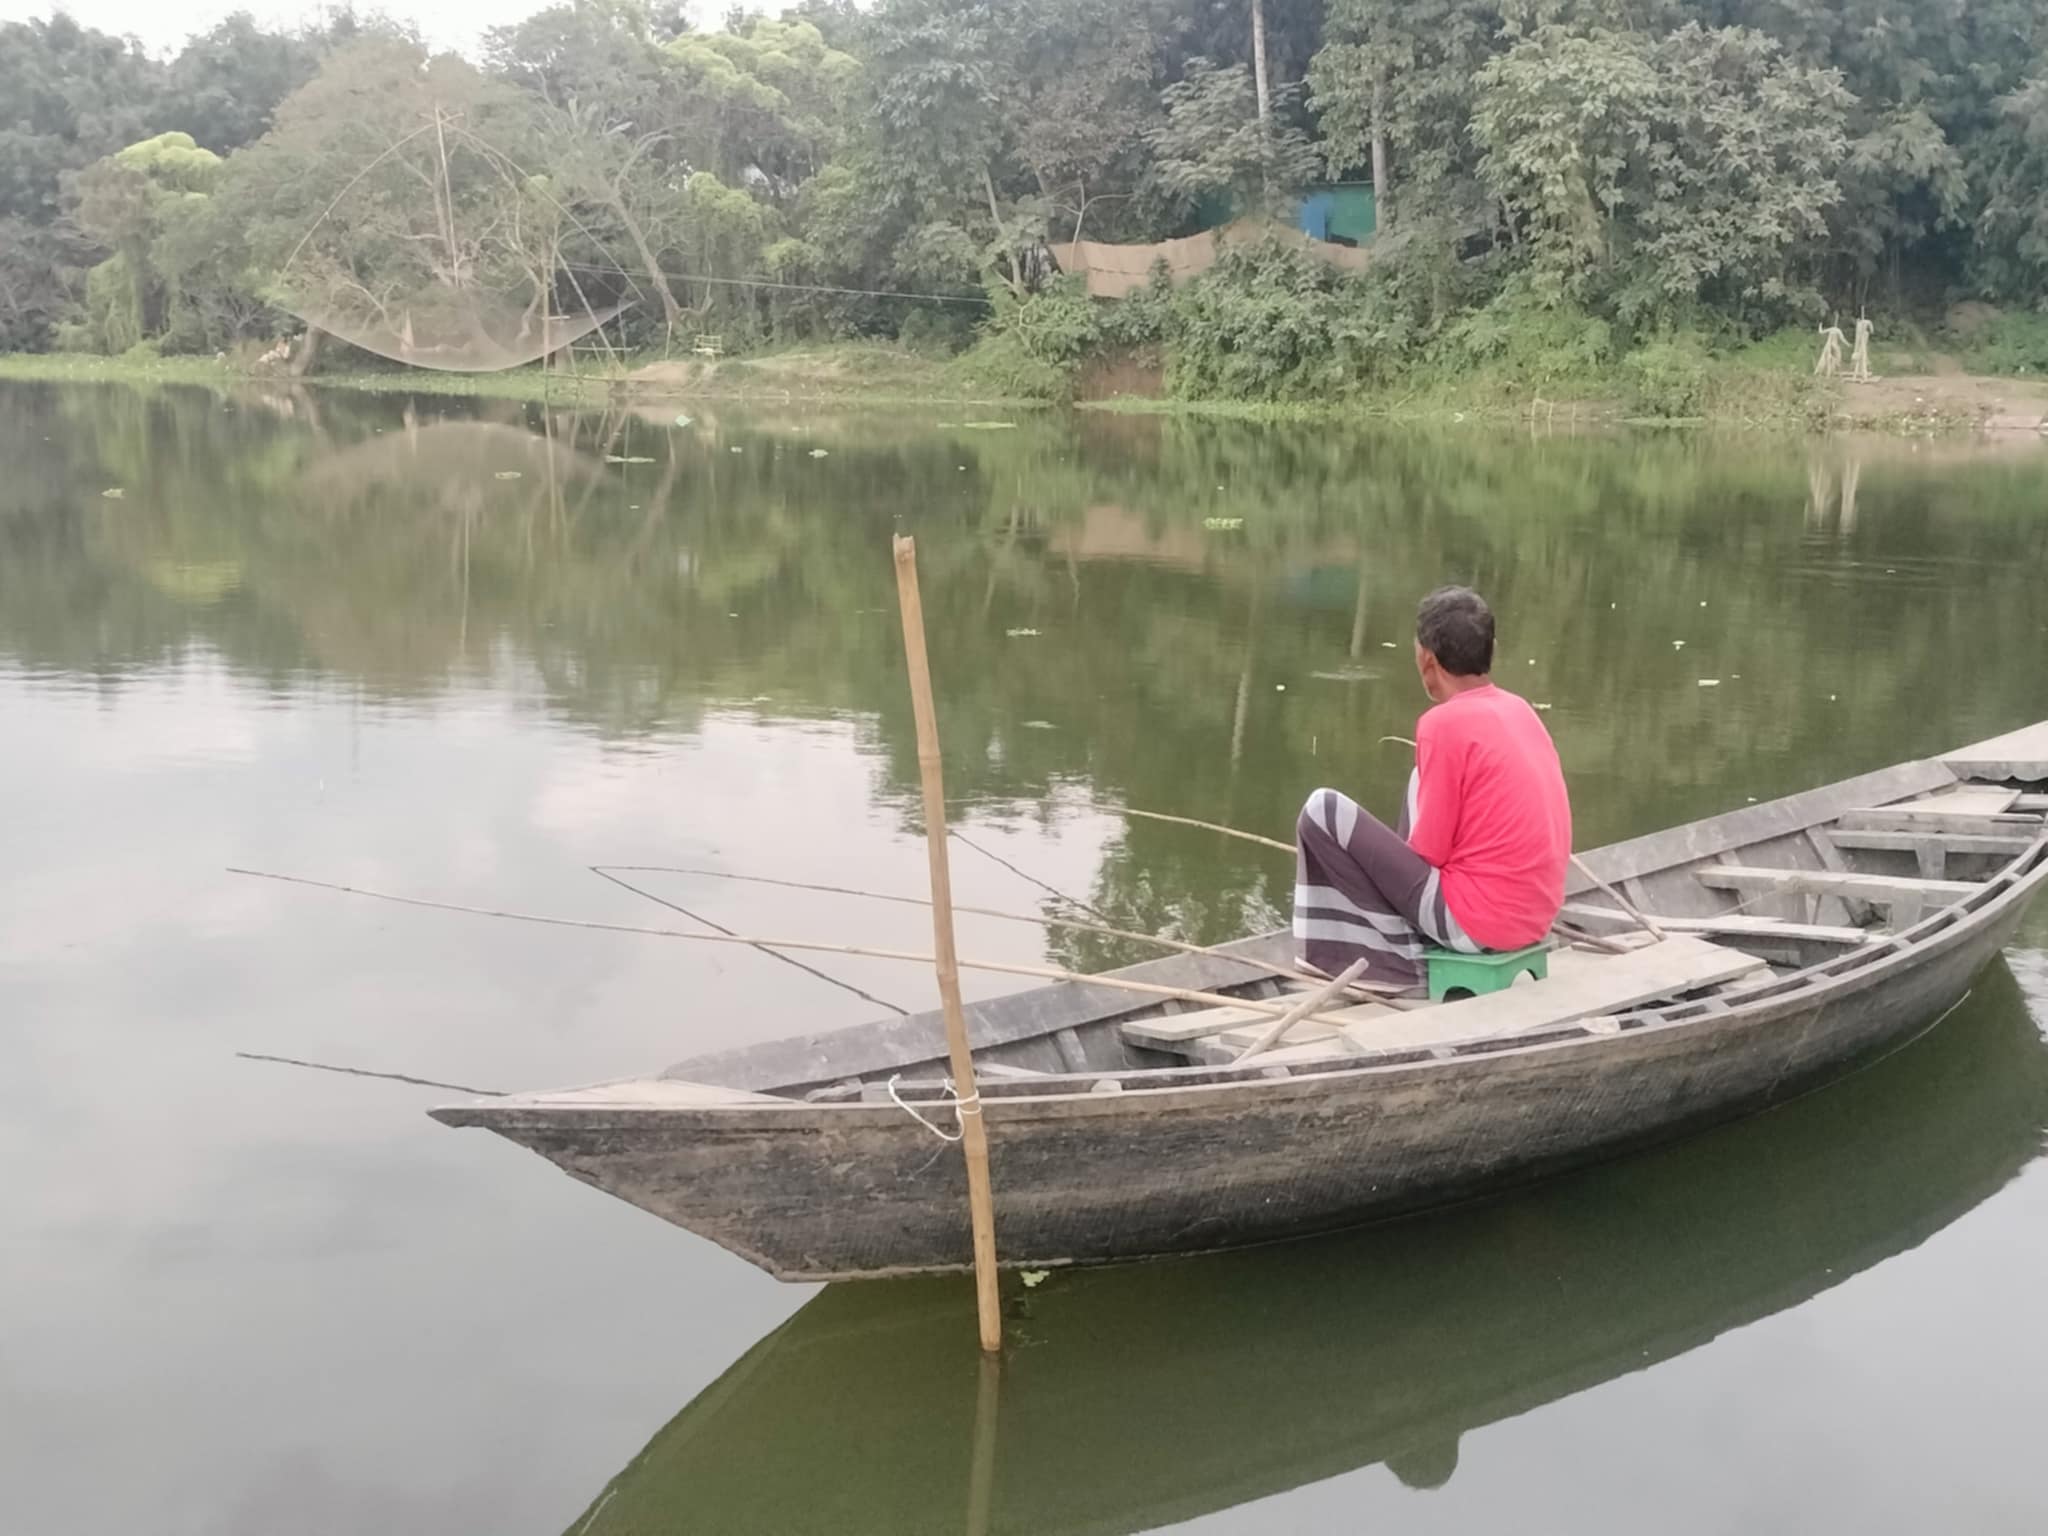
1531 340
1264 323
2009 343
1668 377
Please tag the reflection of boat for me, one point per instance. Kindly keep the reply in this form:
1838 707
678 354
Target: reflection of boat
1132 1398
1105 1144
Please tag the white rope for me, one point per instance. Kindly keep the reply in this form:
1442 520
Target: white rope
971 1105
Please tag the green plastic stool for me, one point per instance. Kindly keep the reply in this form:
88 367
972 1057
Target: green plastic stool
1476 975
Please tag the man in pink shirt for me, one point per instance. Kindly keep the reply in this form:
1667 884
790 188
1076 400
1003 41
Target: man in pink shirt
1478 860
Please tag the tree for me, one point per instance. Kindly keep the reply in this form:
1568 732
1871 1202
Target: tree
612 118
72 97
1077 86
933 73
2012 171
395 204
125 203
225 83
1392 90
1656 173
1212 142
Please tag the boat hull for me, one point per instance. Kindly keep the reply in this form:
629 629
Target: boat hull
823 1192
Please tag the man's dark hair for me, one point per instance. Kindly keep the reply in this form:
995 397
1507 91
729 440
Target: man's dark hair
1455 626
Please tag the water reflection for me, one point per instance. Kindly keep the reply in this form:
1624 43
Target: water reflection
1180 615
1133 1399
470 649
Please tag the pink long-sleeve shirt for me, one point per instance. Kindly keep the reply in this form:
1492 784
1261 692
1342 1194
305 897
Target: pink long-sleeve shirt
1492 815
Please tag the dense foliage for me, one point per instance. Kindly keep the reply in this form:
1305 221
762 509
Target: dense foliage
1561 184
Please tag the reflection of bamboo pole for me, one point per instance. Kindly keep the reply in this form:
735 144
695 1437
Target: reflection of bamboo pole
981 1470
973 1134
1358 615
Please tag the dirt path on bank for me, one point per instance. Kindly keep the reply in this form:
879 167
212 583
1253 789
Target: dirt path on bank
1993 406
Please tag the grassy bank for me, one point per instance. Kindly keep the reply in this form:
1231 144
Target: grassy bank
871 373
86 368
1767 385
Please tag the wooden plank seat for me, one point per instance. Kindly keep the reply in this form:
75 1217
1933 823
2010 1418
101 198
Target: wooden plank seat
1932 850
2013 823
1963 800
1580 986
1217 1036
1734 925
1906 898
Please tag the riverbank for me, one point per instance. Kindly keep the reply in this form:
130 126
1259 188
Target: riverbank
1755 392
870 373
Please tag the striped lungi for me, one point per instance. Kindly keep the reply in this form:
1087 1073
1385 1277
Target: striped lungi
1360 892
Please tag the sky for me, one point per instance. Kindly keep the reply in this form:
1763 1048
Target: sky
164 24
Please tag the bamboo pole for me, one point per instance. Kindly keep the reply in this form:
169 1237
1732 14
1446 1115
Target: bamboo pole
1300 1011
1287 972
1619 900
973 1134
1209 826
808 946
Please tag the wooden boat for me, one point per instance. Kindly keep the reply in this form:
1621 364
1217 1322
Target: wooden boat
1803 937
1150 1394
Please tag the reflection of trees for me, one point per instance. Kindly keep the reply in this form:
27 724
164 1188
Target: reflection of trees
1176 574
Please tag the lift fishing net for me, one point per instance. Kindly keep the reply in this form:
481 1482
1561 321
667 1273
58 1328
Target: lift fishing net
441 253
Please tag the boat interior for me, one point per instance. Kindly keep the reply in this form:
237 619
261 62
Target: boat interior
1733 911
1738 924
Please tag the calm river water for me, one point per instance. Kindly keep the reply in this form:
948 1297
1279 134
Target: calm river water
466 651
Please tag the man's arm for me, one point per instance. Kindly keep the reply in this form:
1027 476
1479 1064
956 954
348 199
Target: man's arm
1439 788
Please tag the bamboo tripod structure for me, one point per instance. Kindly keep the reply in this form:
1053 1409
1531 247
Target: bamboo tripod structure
973 1134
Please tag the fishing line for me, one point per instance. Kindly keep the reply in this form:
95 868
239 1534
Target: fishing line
603 873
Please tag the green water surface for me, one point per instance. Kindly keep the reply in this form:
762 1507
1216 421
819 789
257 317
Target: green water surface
467 650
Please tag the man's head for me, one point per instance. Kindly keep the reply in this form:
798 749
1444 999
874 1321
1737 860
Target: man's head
1453 641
